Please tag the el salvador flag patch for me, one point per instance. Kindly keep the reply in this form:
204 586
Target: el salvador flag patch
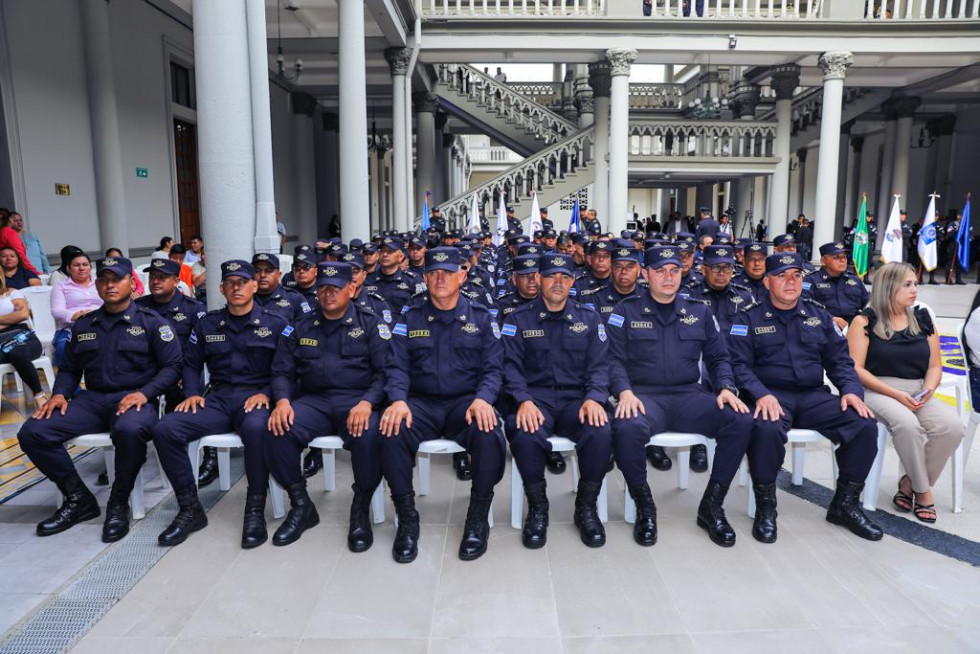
616 320
509 330
739 330
806 286
400 329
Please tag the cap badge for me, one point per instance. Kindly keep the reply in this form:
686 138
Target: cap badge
233 266
330 272
109 262
786 260
440 257
667 253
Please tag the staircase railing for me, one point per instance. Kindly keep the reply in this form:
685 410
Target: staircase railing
503 101
702 138
545 167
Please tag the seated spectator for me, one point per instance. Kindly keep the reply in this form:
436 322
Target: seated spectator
177 252
9 238
196 245
18 344
200 277
895 347
138 290
166 243
71 299
971 349
15 273
32 244
60 273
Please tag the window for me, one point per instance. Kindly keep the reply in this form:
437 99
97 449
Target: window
182 86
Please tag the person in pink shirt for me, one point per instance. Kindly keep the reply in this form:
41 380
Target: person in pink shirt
9 238
71 299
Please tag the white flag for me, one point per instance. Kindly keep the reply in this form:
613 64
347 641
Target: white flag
534 222
473 226
498 234
927 237
892 247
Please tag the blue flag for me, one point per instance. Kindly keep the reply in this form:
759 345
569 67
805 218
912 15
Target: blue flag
574 225
963 238
425 213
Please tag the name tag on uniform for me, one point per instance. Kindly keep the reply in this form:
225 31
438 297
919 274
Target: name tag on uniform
766 329
532 333
85 337
417 333
641 324
214 338
312 342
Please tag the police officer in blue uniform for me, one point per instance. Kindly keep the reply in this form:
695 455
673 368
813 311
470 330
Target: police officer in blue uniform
781 347
392 283
840 292
328 378
717 290
237 344
304 276
289 279
128 356
526 284
624 277
416 247
271 295
443 378
556 369
655 343
787 243
690 275
599 274
753 269
363 298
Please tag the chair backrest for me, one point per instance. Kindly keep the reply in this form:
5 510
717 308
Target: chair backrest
285 263
39 300
144 278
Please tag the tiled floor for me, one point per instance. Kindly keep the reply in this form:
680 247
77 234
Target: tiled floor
818 589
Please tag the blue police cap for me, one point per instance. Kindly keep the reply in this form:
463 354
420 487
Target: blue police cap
302 249
653 242
755 248
684 247
719 254
517 239
661 255
442 258
237 268
578 238
393 243
333 273
832 248
529 248
304 259
777 263
740 243
164 267
265 257
465 250
554 263
355 259
356 243
539 233
550 233
416 242
337 249
369 248
784 239
626 252
684 237
600 246
120 266
525 264
723 240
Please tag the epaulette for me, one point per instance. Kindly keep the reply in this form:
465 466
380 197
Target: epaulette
521 307
695 300
592 291
588 308
740 287
751 305
376 296
813 302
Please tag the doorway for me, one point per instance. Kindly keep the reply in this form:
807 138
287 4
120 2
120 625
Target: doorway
188 203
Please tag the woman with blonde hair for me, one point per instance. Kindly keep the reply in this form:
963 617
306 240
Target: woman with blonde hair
895 347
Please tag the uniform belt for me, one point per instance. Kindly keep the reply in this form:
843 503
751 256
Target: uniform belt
570 387
238 387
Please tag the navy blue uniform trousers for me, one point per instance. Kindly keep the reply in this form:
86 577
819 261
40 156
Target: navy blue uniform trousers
593 444
224 411
91 412
444 418
687 410
816 409
322 415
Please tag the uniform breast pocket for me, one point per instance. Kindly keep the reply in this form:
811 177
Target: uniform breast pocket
770 339
468 350
354 348
421 353
260 353
134 351
692 340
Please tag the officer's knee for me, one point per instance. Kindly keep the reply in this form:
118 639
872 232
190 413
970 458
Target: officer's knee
625 430
253 427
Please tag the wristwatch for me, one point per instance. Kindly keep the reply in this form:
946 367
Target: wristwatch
731 388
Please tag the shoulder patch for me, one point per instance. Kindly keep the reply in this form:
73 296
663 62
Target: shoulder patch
383 331
193 338
495 329
287 330
509 329
166 334
305 306
616 320
739 330
401 329
386 315
602 332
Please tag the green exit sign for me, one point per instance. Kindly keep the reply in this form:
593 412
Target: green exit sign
142 172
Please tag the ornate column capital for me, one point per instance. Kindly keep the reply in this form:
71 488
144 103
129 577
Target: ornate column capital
785 79
834 64
900 107
425 102
801 154
857 144
620 60
586 104
599 78
744 99
943 126
398 59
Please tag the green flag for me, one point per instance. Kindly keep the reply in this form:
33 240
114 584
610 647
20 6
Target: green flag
859 250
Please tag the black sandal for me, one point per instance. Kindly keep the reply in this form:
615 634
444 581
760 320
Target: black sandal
903 501
925 512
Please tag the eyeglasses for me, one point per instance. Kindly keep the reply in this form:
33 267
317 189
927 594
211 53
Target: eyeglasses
721 269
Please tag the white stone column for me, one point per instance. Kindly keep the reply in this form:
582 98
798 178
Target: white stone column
425 144
354 195
785 79
801 155
620 60
398 59
375 196
834 66
599 81
887 162
410 159
853 180
226 159
302 222
904 108
381 192
104 120
743 201
266 238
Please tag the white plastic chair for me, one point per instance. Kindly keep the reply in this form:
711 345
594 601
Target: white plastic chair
39 302
437 446
684 442
41 363
328 446
285 263
224 444
558 444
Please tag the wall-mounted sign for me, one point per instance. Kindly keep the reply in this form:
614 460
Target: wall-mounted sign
142 172
62 189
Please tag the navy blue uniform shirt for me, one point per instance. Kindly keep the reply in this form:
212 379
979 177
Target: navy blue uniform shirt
286 303
843 296
182 312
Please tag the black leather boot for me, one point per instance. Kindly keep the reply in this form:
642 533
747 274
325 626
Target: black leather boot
190 518
711 515
79 505
699 458
302 516
208 471
312 462
461 462
845 510
116 524
359 534
406 545
657 456
555 462
764 526
254 532
476 531
535 533
645 527
590 528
